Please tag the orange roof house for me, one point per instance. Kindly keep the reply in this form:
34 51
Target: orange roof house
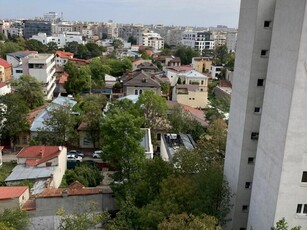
5 70
13 197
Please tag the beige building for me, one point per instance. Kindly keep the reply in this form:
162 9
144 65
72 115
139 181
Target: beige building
193 90
202 64
13 197
5 71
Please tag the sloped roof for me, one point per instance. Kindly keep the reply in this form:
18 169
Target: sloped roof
62 78
21 54
141 79
197 114
63 54
147 65
39 154
193 74
75 189
4 63
2 84
9 192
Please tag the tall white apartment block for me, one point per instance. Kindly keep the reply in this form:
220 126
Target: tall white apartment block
198 40
42 67
152 39
266 153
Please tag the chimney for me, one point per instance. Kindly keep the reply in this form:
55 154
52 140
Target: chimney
64 193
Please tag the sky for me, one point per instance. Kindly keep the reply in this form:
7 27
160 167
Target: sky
202 13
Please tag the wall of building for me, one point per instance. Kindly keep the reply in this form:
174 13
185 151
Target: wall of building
131 90
195 99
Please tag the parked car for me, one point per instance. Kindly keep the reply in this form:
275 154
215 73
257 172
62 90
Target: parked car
76 152
97 154
73 157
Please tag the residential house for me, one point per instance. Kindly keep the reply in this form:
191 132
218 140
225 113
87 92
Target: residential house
75 198
137 82
147 144
5 71
5 88
173 71
202 64
137 62
60 39
15 59
43 165
12 197
193 91
42 67
148 67
62 57
38 122
223 89
171 143
199 40
169 60
151 39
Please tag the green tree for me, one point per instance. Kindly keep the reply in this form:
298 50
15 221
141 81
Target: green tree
220 55
186 54
13 114
98 71
52 47
72 47
154 109
30 89
59 127
283 225
92 106
36 45
9 47
78 80
14 219
166 52
83 218
118 66
121 141
2 37
212 144
185 221
117 43
87 175
94 49
132 40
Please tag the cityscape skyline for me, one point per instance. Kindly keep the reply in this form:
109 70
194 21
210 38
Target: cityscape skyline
170 12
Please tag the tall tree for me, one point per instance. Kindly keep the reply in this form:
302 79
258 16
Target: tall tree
220 55
52 47
78 80
118 44
59 127
98 71
30 89
154 109
92 106
13 114
121 141
132 40
283 225
212 144
186 54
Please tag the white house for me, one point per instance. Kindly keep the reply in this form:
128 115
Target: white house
61 39
152 39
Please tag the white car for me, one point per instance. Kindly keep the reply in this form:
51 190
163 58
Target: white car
73 157
97 153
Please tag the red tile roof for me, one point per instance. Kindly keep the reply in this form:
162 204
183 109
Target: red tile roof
39 154
62 78
12 192
4 63
63 54
149 52
197 114
2 84
75 189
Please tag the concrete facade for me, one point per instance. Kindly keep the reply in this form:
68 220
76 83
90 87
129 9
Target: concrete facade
266 145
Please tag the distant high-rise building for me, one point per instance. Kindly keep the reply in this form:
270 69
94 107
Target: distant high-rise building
33 27
266 153
200 40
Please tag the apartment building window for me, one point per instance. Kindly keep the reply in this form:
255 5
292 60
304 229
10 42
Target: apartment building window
260 82
251 160
304 177
254 136
267 24
245 208
264 53
257 110
248 185
301 209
